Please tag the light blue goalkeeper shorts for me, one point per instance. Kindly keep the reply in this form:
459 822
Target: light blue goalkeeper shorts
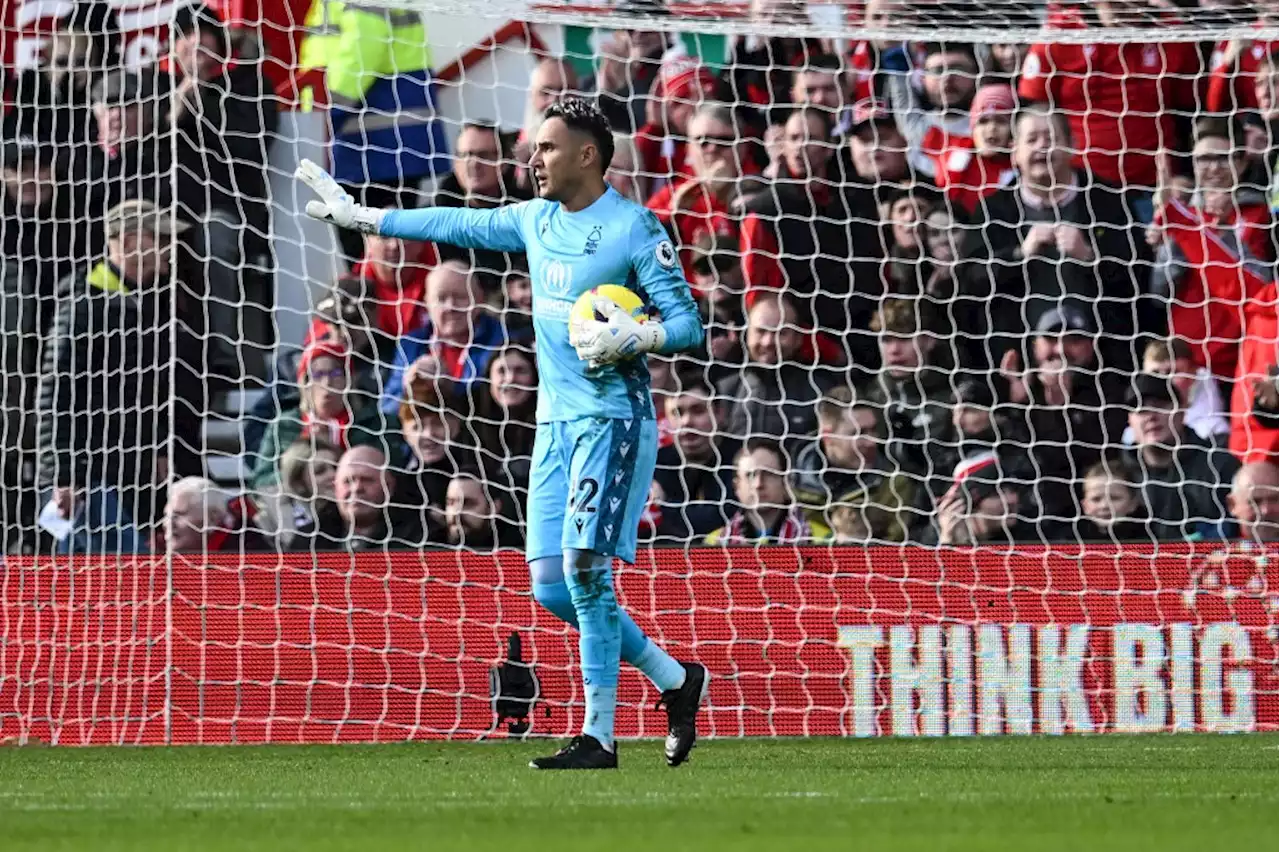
589 485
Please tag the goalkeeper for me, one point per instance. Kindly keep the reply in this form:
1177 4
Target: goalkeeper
597 439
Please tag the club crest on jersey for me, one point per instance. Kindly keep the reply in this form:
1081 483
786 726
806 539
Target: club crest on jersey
557 278
593 240
666 254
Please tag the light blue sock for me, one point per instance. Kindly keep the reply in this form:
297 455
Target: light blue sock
590 580
550 590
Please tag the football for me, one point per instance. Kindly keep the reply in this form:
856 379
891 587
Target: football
584 309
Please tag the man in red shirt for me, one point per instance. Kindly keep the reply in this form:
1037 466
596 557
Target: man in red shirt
681 86
692 204
1217 254
1120 98
1235 63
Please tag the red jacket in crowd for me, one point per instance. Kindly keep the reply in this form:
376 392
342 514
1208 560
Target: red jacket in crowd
1120 99
1231 83
1208 308
702 211
1250 441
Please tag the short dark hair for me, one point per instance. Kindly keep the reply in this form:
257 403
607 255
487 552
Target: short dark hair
692 378
822 62
1225 127
824 117
771 445
932 48
586 117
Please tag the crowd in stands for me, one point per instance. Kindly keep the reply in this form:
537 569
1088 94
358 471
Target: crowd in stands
954 294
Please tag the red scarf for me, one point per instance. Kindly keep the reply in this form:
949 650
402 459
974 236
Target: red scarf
335 430
794 529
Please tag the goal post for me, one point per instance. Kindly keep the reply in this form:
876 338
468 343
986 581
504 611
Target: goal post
981 438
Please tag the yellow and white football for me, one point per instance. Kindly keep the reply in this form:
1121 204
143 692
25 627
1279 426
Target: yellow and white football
584 309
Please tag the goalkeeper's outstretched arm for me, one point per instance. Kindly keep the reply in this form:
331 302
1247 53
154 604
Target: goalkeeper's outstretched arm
498 229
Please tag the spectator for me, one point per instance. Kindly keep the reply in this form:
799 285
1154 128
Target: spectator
387 135
37 250
504 408
1006 62
873 60
878 153
677 94
219 109
1096 85
986 510
514 304
552 78
1197 389
1235 63
1111 507
695 202
328 408
1070 409
817 84
717 265
1185 480
1254 502
940 118
104 401
806 152
347 318
970 169
693 482
363 487
477 514
51 100
774 394
439 446
1056 238
629 67
399 284
768 514
986 434
844 469
197 520
130 159
913 390
457 340
479 180
798 236
763 67
907 269
624 173
306 501
1255 396
1214 256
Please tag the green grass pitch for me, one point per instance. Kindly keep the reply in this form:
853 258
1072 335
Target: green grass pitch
1161 793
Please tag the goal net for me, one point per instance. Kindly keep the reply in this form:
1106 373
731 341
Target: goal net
981 437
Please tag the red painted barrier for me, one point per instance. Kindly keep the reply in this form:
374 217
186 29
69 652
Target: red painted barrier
805 641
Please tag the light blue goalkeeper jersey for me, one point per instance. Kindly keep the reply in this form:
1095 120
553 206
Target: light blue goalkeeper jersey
614 241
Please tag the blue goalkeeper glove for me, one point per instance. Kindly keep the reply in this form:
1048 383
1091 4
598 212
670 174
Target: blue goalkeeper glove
620 336
336 205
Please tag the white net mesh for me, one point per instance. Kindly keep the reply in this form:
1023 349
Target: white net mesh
971 274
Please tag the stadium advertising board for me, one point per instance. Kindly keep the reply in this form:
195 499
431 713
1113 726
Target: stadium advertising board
843 642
